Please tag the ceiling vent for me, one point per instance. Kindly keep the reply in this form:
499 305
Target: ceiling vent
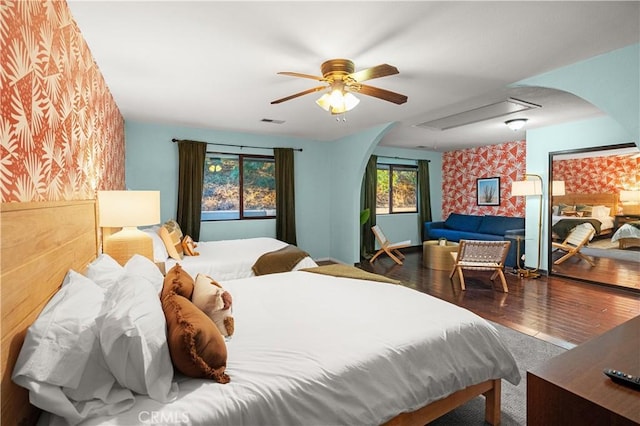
487 112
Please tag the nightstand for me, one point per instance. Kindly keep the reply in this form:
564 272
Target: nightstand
621 219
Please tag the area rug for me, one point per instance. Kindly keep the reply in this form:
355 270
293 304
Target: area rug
603 243
529 353
628 255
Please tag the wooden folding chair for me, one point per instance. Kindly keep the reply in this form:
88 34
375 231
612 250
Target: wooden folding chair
577 238
387 247
481 256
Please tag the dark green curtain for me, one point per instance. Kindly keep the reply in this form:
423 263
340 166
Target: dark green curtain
190 179
285 197
424 197
367 248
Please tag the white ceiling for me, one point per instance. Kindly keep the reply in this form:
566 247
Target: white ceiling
213 64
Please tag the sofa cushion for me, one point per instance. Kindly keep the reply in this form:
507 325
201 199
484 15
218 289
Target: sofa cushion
462 222
498 225
453 235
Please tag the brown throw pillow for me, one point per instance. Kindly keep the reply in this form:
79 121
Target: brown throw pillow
189 246
178 281
196 346
171 235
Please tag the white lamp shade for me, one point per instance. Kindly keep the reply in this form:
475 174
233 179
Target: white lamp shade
128 208
630 196
324 102
526 187
557 187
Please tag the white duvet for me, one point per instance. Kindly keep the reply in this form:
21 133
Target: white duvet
231 259
310 349
626 231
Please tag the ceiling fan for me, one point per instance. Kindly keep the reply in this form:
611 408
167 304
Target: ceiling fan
342 80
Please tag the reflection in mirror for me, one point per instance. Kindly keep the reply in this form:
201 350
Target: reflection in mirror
594 224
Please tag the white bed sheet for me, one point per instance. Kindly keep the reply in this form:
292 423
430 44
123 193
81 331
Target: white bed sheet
626 231
314 349
231 259
606 222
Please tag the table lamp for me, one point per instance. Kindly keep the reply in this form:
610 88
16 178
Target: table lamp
127 210
630 201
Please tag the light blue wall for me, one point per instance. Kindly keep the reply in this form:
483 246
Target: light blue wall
349 158
328 180
328 177
612 83
152 163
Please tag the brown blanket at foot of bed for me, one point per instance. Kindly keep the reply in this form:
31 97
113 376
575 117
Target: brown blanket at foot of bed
346 271
282 260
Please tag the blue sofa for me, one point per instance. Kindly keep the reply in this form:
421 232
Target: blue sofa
473 227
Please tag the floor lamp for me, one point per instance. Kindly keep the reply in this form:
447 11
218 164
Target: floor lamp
530 187
127 210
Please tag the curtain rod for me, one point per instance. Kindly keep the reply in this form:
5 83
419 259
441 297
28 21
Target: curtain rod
237 146
403 158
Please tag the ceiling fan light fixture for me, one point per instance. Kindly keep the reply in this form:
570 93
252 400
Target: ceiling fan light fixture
341 79
337 102
324 102
516 124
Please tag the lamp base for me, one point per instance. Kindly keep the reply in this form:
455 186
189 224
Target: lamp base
123 245
528 273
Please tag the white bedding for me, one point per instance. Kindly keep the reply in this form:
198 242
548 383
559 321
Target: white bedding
310 349
231 259
626 231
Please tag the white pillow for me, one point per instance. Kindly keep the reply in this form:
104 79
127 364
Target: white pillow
61 362
133 337
600 211
160 253
144 268
104 271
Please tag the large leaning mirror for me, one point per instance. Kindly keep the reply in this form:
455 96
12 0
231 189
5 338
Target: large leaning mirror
594 222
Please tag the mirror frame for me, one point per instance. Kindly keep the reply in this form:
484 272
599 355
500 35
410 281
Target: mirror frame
550 206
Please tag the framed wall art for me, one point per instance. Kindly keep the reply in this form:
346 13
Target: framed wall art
488 191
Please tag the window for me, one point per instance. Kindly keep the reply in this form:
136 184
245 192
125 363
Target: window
396 189
238 187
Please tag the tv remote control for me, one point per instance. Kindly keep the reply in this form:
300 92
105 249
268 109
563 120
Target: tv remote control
623 378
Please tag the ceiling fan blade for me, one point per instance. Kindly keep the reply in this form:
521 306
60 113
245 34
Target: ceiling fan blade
306 92
297 74
383 94
374 72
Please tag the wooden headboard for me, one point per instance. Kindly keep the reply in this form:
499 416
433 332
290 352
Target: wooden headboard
598 199
40 242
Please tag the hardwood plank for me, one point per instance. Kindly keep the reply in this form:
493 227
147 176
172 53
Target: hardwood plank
560 310
607 271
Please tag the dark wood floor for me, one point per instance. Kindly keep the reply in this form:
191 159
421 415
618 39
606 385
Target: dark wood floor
615 272
556 309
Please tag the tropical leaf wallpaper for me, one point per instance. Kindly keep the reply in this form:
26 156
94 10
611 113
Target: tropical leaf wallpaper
461 168
61 133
